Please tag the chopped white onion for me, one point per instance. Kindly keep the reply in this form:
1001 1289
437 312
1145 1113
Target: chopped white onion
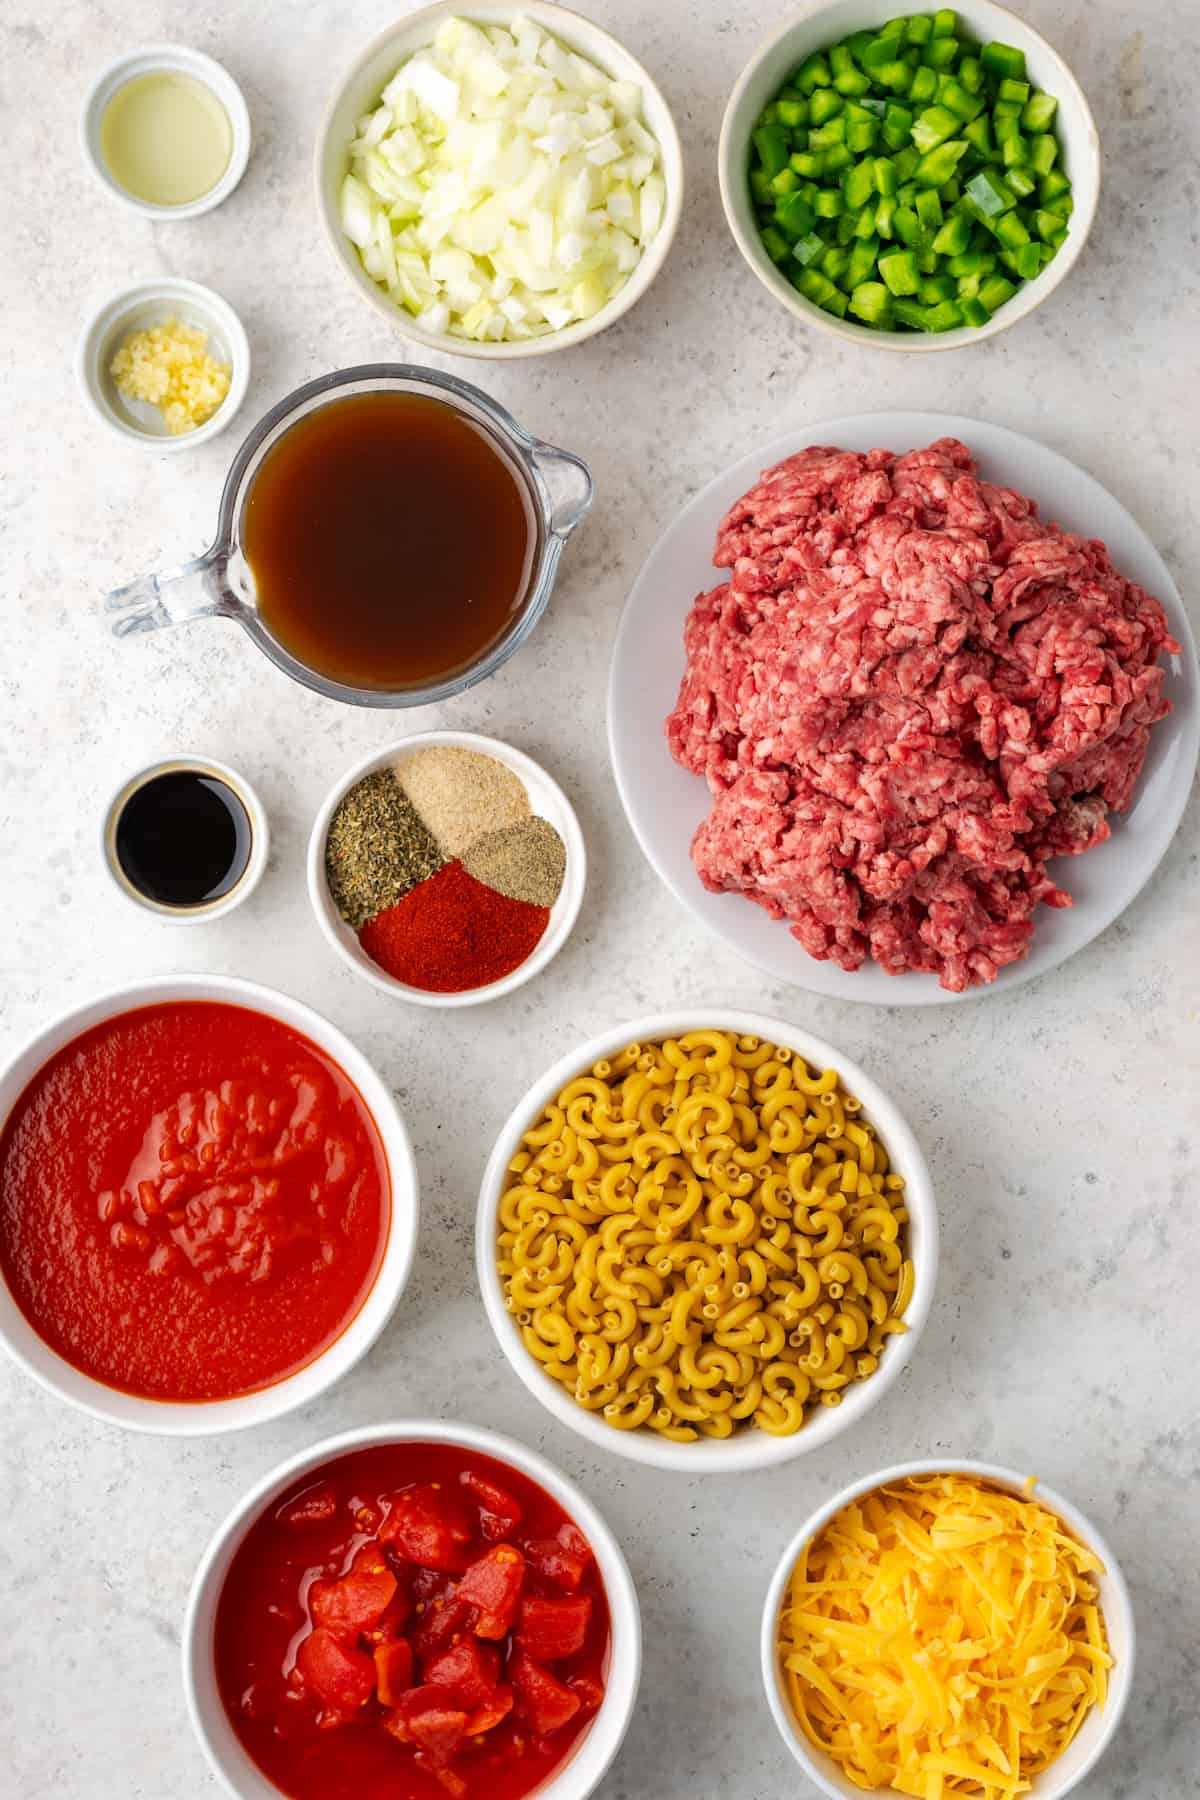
505 187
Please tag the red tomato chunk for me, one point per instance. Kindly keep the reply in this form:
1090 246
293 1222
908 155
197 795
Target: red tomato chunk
376 1640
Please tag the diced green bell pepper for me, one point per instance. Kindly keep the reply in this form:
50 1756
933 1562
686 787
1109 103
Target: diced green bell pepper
954 236
929 211
995 291
990 194
794 217
1038 112
861 263
813 73
940 52
937 166
897 126
970 73
973 311
1004 61
771 143
933 127
824 105
899 271
1013 90
870 302
924 86
809 249
775 244
794 113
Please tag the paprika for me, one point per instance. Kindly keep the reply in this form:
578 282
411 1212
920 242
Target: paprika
452 932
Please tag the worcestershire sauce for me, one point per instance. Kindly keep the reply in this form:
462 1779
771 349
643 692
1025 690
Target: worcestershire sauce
183 838
389 542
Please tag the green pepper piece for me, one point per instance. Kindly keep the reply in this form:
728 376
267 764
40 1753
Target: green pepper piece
861 263
786 182
885 216
970 73
1048 226
940 52
794 216
1004 61
1043 153
971 262
1038 112
813 73
1021 182
824 137
858 184
870 302
852 83
809 249
973 311
1013 90
1010 231
950 191
910 313
1028 261
957 100
936 287
1051 185
835 261
1014 151
760 188
945 23
923 87
995 291
810 164
769 114
837 159
954 236
857 42
990 193
875 54
937 166
899 270
819 288
864 224
945 316
771 143
825 104
906 161
918 29
897 126
978 133
1006 121
896 76
933 127
775 244
844 230
840 60
883 172
794 113
909 229
829 203
861 135
929 211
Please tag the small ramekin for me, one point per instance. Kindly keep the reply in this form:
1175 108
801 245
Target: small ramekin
206 1418
545 797
175 59
260 840
136 308
815 26
1097 1730
596 1747
358 92
747 1449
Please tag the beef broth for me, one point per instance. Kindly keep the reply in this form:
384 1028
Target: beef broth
389 541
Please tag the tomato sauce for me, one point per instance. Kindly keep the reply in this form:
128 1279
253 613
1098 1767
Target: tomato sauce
322 1556
194 1201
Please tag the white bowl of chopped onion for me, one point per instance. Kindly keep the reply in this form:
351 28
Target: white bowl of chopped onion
853 1665
498 182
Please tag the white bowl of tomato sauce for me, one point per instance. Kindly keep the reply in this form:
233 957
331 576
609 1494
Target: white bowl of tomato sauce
208 1205
421 1608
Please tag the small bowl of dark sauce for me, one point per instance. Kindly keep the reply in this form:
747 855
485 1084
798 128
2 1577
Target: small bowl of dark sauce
186 838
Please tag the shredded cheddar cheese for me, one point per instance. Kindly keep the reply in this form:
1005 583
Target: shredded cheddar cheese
169 366
943 1637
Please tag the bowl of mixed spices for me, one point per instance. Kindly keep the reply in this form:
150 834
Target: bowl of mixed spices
448 869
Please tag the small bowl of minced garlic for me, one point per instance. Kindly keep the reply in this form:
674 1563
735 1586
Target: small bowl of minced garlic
164 364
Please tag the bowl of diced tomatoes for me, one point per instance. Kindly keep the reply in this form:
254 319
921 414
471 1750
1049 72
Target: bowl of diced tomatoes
421 1608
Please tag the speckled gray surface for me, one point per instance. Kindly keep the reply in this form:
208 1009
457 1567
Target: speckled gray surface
1061 1122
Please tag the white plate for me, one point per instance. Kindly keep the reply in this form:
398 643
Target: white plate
665 803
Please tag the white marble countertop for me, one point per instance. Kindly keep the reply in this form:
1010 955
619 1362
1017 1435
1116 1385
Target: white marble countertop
1061 1121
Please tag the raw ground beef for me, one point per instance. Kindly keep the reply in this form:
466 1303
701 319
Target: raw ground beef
910 694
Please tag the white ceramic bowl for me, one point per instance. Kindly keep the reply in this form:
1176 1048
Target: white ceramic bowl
748 1449
815 27
594 1749
205 1418
136 308
359 91
545 797
260 840
176 59
1097 1730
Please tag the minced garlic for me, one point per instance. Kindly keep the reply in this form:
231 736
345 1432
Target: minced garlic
169 366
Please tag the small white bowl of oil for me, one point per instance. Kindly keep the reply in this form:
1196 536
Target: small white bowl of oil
166 131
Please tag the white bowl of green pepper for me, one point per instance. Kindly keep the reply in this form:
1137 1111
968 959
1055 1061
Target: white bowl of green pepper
914 182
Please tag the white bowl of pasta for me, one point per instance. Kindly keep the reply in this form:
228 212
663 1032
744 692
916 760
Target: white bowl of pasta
706 1240
1056 1711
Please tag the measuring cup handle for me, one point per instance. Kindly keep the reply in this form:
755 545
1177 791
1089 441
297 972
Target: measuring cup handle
194 590
568 483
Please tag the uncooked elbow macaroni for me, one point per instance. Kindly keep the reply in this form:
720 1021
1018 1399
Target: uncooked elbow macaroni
704 1235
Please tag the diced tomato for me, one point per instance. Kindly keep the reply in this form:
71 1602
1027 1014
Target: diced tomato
440 1623
315 1506
555 1563
393 1671
499 1513
570 1536
589 1690
549 1629
429 1584
492 1712
358 1599
427 1716
340 1678
429 1526
468 1668
493 1584
392 1620
453 1784
541 1699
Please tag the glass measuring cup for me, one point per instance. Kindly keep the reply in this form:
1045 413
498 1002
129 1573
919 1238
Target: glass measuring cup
555 485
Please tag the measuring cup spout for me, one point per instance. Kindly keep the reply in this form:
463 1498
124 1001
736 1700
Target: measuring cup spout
195 590
568 485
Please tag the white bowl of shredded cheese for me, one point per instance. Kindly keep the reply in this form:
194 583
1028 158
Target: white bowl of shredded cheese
499 180
177 340
857 1655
